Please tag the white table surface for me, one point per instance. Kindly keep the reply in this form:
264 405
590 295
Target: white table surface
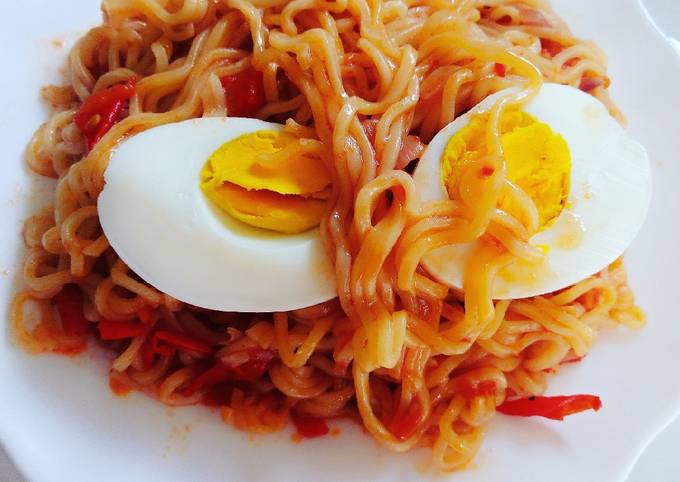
661 461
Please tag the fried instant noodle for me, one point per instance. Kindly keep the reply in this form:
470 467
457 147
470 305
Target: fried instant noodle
368 82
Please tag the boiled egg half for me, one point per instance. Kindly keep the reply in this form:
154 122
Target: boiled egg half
220 213
589 180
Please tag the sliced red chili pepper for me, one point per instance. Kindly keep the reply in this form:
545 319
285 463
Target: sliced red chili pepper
574 359
161 348
550 48
119 388
486 171
103 99
250 370
119 330
405 424
216 396
147 354
165 342
504 20
69 303
254 368
144 314
554 408
592 82
217 373
485 388
309 427
500 69
107 106
244 93
571 62
106 122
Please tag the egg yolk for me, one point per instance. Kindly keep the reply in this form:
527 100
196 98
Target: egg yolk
537 159
266 180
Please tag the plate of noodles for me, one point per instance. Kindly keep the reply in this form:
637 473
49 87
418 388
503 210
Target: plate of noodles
293 240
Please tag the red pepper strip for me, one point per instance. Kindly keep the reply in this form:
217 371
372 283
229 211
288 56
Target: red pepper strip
248 371
106 122
216 397
144 314
485 388
590 83
165 342
554 408
500 69
147 354
550 48
575 359
217 373
108 105
257 364
119 388
486 172
405 424
161 349
571 62
309 427
119 330
69 303
244 93
103 99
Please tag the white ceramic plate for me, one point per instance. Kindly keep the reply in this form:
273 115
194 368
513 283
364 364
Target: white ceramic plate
59 421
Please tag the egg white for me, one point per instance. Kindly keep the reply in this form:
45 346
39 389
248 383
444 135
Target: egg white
160 223
610 193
